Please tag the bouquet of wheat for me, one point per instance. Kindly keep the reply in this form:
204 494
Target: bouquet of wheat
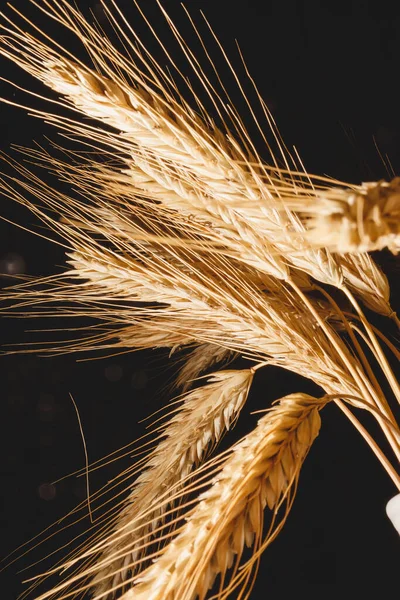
180 236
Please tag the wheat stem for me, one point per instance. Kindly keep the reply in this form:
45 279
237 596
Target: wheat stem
363 383
382 358
360 352
393 474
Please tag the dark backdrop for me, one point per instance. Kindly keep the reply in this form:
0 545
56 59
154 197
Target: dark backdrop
328 71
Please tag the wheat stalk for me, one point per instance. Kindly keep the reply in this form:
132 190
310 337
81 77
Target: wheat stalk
224 254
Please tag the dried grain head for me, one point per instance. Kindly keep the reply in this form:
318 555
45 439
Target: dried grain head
206 413
262 470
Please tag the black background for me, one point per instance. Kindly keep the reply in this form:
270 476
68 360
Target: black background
328 71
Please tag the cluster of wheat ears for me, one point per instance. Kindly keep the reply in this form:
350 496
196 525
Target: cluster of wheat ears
179 235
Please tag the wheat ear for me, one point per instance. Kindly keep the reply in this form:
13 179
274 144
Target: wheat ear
366 280
261 471
250 228
205 413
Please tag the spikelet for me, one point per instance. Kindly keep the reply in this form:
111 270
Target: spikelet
200 359
367 281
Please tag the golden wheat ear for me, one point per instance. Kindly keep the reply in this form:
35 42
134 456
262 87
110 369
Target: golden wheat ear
194 429
356 220
261 472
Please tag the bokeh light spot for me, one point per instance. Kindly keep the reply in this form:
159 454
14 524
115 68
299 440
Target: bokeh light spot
113 372
47 491
139 379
